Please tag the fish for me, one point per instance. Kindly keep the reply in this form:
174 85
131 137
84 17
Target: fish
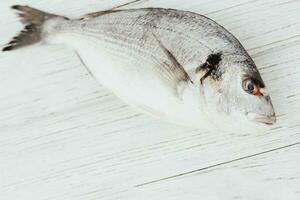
176 65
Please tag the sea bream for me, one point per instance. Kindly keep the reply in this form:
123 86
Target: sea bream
176 65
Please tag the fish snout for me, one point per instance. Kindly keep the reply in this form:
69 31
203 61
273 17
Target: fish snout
265 119
270 117
262 119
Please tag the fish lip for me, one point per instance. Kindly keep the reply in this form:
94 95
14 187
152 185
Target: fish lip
262 119
268 120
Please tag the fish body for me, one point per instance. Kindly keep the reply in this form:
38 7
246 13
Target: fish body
173 64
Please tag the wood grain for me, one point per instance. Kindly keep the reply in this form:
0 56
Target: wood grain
64 136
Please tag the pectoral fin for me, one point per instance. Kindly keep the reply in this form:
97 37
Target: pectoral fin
175 70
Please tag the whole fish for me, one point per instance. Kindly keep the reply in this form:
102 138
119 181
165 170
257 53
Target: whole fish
176 65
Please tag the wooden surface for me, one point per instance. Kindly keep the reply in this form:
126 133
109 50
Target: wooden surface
65 137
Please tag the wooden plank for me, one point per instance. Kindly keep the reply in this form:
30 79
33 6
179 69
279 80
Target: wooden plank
63 136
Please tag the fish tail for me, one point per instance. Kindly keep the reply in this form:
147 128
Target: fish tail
33 19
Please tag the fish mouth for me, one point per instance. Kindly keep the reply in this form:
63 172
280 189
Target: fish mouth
263 119
268 120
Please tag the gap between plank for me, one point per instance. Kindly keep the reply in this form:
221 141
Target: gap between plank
216 165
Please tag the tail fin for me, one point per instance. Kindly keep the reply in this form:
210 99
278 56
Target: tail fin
33 20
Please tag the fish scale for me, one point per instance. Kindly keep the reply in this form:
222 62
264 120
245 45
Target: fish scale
115 50
159 29
132 44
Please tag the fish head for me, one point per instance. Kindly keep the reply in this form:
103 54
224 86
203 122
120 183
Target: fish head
236 95
257 104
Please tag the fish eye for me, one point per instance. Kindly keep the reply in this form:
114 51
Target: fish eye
251 88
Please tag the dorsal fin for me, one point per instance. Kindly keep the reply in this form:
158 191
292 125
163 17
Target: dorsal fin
97 14
104 12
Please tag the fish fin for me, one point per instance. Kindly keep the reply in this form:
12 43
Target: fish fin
97 14
149 111
33 20
176 70
104 12
83 63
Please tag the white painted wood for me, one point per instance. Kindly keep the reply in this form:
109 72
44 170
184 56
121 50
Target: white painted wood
63 136
264 176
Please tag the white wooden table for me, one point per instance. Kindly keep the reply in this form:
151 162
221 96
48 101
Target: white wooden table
65 137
